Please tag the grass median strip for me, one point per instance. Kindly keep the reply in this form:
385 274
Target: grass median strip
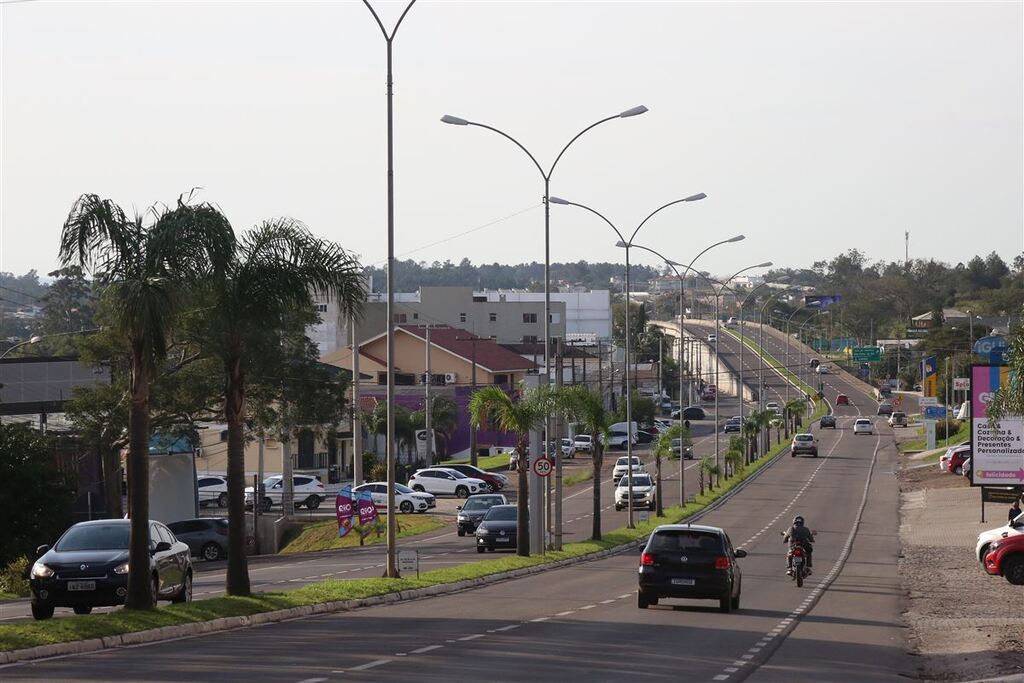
65 629
488 462
324 535
773 361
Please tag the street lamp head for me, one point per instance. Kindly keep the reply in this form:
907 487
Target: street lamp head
766 264
737 238
454 120
695 197
635 111
559 200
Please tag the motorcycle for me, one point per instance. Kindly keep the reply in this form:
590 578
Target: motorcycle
798 564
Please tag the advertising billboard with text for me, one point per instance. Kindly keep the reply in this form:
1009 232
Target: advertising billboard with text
997 449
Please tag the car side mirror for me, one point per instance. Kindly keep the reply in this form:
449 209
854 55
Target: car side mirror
161 547
41 550
740 552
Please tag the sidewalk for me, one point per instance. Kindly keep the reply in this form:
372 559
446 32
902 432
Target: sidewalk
965 624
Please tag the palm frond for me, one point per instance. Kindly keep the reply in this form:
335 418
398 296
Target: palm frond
191 241
97 236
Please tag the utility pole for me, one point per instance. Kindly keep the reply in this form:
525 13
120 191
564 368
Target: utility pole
661 389
556 536
357 423
906 248
426 403
600 374
472 430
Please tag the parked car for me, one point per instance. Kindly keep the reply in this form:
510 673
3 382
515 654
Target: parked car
497 529
622 466
885 408
567 448
694 413
863 426
212 490
473 510
442 481
804 443
207 537
965 469
733 424
712 338
842 400
986 538
665 424
827 421
309 492
731 322
406 500
644 436
88 567
956 460
644 492
1006 558
614 439
582 442
687 450
690 561
898 419
495 481
947 456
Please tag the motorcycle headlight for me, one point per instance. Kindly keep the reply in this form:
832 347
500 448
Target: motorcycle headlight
121 568
41 571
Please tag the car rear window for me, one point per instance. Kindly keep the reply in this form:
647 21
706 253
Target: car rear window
804 437
688 540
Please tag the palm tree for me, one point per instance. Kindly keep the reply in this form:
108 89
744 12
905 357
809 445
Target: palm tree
794 408
581 405
274 271
143 271
493 405
663 447
757 422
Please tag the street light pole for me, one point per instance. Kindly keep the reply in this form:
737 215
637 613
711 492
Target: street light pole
626 244
391 570
546 175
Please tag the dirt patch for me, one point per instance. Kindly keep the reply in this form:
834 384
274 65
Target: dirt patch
965 624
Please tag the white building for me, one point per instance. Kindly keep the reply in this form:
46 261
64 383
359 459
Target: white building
585 312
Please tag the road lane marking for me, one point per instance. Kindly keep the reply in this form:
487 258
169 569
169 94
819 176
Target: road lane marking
312 680
566 613
473 637
428 648
507 628
370 665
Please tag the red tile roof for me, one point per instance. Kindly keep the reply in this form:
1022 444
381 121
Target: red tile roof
490 355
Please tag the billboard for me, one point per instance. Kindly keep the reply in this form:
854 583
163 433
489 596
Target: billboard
997 450
930 376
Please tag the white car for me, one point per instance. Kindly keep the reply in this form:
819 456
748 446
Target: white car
616 439
444 481
712 337
582 442
773 407
406 500
308 491
986 538
622 466
863 426
567 448
644 492
213 490
823 370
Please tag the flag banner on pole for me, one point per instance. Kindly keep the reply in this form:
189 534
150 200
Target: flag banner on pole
930 376
343 506
367 512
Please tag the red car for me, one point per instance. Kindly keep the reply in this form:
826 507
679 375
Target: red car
842 400
495 481
1006 558
956 461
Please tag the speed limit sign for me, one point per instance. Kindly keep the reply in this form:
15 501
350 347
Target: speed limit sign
542 467
897 401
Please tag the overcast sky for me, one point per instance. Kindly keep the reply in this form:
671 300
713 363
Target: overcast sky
813 127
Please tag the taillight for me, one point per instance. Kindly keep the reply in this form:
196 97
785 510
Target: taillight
798 551
647 560
722 562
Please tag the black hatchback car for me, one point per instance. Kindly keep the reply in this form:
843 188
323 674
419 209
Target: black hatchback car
497 529
207 537
827 421
88 567
690 561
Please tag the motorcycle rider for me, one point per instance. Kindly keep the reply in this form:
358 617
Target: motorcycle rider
799 535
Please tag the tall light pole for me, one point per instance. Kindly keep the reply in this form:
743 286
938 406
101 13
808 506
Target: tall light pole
760 351
760 378
391 570
626 244
546 175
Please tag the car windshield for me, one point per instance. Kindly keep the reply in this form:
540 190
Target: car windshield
637 481
95 537
402 488
501 513
482 503
694 542
270 481
457 474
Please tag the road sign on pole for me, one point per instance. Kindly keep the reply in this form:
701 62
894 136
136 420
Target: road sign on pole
542 467
867 354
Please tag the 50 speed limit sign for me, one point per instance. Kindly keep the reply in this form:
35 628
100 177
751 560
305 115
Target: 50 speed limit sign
542 467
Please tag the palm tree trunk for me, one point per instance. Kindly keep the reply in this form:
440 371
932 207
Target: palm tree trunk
140 582
237 578
522 503
596 458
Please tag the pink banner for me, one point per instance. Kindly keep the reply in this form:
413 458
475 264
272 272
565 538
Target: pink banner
343 505
367 510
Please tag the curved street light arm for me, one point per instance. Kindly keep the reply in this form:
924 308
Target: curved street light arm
660 208
513 141
574 139
599 215
391 36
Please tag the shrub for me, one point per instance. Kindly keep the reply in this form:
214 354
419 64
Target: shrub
14 577
379 471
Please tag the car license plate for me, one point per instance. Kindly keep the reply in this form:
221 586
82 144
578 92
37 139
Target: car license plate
501 539
682 582
81 585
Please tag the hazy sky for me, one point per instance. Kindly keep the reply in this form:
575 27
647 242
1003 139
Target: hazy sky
812 127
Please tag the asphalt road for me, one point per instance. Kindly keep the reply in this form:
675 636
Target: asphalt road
582 621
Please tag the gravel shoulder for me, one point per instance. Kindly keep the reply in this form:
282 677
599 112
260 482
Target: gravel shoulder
965 625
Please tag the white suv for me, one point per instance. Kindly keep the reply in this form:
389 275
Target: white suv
621 467
644 492
443 481
987 538
582 442
213 490
406 500
309 491
863 426
616 439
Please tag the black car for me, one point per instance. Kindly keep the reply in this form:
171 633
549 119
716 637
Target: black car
694 413
733 424
690 561
644 436
497 529
474 509
827 421
207 537
88 567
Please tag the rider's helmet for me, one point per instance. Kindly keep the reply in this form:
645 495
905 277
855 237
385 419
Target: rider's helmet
798 521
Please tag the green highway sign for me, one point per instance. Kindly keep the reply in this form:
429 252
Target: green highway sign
867 354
